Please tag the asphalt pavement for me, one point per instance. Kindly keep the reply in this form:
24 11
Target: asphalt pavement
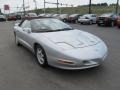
19 69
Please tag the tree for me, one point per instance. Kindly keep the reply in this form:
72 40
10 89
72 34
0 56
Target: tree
117 4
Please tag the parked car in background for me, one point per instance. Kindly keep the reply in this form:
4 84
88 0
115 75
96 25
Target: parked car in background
55 15
118 22
2 18
18 17
57 44
11 17
73 18
64 17
48 15
31 15
87 19
107 19
41 15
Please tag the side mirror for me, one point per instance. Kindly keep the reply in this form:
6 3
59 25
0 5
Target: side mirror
28 30
16 24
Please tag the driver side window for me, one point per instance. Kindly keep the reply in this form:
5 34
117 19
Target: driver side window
93 15
26 24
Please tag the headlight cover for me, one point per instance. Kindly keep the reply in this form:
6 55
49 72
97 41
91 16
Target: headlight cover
65 46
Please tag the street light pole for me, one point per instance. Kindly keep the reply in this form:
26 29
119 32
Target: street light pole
24 7
44 7
57 6
89 6
117 4
35 6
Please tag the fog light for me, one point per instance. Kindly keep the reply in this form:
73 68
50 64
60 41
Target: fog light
66 62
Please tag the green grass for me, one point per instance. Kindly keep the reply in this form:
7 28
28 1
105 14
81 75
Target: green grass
81 10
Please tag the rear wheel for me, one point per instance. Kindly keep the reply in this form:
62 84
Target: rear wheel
41 56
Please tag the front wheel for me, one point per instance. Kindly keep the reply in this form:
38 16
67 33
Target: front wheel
90 22
41 56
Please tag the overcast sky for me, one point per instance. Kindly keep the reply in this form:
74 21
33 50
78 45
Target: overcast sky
40 3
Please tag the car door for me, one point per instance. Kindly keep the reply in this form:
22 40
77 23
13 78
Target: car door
24 35
94 18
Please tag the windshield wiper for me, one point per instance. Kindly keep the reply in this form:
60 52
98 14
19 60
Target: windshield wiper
43 30
63 29
46 30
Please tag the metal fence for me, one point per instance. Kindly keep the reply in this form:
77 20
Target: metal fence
60 7
98 8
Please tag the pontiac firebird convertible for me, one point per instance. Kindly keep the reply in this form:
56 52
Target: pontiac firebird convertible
57 44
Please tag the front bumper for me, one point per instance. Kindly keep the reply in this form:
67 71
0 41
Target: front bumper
103 22
81 65
88 57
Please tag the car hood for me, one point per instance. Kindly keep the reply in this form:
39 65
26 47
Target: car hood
74 38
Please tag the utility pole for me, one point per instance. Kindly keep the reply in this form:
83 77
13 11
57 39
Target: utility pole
117 4
89 6
35 6
0 11
17 9
57 7
61 8
44 7
24 7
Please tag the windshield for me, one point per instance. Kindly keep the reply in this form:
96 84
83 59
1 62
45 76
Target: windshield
64 15
107 15
1 16
73 15
55 15
32 14
48 25
85 16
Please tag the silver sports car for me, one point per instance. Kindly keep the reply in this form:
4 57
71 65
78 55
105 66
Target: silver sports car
57 44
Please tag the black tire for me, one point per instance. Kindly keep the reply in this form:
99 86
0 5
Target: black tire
98 24
81 23
90 22
41 55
